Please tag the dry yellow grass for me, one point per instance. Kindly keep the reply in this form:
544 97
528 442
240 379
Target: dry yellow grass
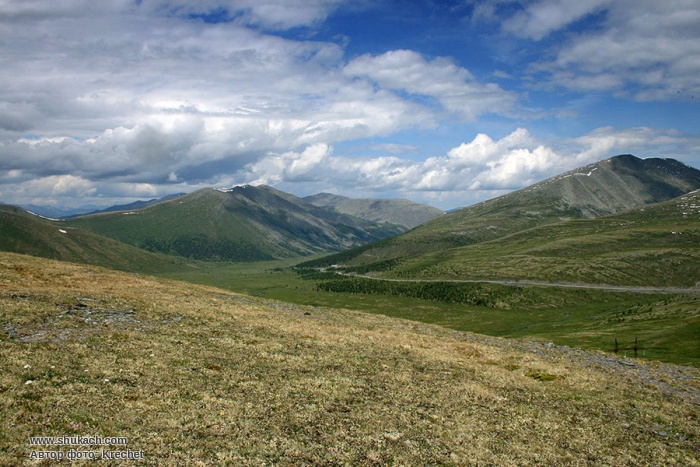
191 375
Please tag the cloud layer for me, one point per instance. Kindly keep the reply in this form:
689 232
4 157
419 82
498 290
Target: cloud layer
150 93
645 49
109 101
480 169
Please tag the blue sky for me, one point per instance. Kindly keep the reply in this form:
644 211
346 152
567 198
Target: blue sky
443 102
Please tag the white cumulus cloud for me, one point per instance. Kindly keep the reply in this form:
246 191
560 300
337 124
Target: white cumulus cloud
102 100
479 169
543 17
453 87
645 49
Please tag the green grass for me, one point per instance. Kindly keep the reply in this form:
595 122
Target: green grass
248 224
21 232
621 250
655 246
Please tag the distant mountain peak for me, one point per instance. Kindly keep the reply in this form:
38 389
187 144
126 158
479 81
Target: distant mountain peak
614 185
396 211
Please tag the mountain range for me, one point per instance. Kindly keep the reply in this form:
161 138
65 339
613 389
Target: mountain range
608 216
657 245
54 212
507 237
247 223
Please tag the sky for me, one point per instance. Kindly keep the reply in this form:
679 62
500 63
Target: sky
442 102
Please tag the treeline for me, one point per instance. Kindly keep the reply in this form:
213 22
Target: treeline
482 295
205 248
478 294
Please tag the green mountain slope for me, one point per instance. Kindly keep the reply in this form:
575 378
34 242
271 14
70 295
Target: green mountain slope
22 232
658 245
394 211
606 187
241 224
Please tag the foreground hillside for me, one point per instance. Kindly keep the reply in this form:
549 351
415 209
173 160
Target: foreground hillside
189 375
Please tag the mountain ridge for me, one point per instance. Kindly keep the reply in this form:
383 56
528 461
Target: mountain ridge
140 204
244 223
657 245
27 233
53 212
396 211
606 187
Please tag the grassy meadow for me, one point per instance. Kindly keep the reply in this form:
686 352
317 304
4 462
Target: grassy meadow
194 375
665 325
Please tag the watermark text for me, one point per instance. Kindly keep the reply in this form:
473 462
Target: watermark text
90 448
